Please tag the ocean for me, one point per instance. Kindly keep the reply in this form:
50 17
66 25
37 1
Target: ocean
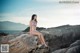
12 32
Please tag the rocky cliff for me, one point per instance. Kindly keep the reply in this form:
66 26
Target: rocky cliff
62 39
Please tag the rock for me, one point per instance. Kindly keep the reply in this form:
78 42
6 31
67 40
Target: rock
76 43
59 51
4 39
63 39
3 34
75 49
22 44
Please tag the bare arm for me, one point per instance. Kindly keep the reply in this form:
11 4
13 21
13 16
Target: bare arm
30 26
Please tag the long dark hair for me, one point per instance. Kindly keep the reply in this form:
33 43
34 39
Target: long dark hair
32 18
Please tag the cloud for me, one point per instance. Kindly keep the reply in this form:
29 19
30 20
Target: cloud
50 16
50 1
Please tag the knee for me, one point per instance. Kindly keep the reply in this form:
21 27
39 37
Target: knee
40 33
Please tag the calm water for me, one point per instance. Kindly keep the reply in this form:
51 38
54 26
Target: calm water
13 32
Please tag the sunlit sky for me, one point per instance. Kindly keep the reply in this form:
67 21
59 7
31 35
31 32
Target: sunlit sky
50 13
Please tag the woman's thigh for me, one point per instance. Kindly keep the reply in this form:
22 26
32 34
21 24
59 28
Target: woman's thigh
36 33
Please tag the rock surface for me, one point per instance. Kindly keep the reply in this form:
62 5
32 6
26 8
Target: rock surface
62 39
22 44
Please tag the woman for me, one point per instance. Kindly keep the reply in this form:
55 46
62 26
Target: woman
33 31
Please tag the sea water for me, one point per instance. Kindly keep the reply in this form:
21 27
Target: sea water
12 32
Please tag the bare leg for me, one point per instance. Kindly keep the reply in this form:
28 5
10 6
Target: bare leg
42 39
40 36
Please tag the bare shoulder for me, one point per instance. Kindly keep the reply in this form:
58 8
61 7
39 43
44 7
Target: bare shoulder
30 21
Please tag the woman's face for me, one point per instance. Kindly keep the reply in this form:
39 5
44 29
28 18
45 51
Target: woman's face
35 17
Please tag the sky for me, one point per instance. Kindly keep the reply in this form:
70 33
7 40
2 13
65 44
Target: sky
50 13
